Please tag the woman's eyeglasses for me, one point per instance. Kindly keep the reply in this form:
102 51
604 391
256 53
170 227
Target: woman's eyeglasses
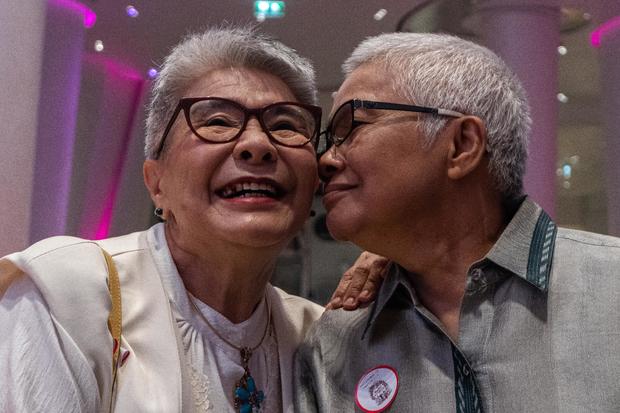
219 120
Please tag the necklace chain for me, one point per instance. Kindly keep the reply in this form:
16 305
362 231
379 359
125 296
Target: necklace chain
241 349
247 398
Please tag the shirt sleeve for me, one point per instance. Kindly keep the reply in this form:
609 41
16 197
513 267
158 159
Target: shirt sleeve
307 376
42 368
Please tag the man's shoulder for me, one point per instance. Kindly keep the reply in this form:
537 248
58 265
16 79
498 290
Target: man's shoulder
339 326
587 263
585 239
596 249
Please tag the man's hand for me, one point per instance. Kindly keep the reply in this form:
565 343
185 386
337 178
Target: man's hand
360 283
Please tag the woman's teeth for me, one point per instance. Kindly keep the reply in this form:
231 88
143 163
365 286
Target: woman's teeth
249 189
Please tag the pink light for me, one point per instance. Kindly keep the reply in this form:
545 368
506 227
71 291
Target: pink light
90 17
604 29
112 65
106 218
117 70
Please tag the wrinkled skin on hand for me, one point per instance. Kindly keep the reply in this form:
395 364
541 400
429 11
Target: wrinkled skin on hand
360 283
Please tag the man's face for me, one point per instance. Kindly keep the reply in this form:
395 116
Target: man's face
382 179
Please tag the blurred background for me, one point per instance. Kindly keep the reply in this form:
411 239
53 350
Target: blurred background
74 77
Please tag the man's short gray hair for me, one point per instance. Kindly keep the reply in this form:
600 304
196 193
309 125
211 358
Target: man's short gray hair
219 48
439 70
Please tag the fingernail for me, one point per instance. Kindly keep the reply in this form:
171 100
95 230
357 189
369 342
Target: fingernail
350 301
365 293
336 301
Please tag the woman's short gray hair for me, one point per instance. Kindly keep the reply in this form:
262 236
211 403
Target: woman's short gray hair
439 70
218 48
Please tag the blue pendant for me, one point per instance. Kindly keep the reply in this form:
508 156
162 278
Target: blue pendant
247 398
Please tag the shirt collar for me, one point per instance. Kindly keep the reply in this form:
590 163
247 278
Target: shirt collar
396 279
525 248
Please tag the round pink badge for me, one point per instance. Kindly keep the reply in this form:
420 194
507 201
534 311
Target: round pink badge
376 389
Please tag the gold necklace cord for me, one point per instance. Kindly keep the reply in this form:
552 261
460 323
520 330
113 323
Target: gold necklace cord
191 300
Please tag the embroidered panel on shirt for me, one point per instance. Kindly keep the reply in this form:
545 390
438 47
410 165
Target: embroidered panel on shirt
541 252
465 388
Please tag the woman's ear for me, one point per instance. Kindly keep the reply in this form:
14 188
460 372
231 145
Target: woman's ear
151 171
468 146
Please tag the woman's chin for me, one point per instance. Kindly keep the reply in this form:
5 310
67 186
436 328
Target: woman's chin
259 231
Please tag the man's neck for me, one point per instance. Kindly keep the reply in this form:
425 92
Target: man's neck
439 257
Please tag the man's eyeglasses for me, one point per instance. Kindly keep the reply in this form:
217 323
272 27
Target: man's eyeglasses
343 122
219 120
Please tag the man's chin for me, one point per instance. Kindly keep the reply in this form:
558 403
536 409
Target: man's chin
338 229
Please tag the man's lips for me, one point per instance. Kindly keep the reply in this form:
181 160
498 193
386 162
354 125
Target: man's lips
334 187
334 191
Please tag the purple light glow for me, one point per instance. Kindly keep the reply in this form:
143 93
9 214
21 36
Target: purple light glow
90 17
106 218
611 25
152 73
124 80
113 65
121 77
132 11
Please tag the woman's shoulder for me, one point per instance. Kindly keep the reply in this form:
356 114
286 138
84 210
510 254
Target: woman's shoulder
296 302
291 313
60 247
66 269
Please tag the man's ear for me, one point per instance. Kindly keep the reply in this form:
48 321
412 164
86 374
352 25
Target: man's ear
151 171
468 146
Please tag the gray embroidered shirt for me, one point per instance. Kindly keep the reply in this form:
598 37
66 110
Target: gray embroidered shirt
539 331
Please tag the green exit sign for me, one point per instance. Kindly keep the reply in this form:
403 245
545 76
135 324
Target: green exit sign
266 9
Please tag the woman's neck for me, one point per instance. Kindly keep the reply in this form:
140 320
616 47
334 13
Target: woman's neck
229 279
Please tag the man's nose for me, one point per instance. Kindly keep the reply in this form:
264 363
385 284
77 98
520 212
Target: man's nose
330 163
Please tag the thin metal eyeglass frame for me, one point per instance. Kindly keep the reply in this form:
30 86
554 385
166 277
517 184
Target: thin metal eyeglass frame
370 104
186 103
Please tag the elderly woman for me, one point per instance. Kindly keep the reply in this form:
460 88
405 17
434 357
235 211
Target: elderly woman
231 169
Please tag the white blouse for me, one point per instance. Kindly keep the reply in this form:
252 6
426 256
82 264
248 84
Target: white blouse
214 365
34 381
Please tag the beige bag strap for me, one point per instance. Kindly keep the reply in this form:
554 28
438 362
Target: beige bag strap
9 272
115 318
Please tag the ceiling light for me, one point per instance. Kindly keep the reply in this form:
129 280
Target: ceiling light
380 14
152 73
262 6
132 11
562 50
562 98
98 45
268 9
567 171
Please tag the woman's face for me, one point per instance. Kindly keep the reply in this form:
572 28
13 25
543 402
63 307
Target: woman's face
201 185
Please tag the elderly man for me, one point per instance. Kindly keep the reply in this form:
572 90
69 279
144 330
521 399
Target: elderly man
489 306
